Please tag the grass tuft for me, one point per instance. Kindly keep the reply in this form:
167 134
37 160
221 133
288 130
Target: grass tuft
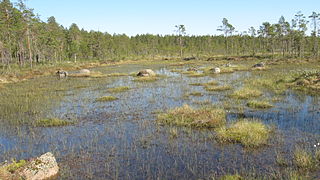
303 159
106 99
246 93
248 132
259 104
119 89
146 79
209 117
218 88
51 122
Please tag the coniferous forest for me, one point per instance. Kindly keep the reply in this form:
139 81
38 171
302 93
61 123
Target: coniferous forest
26 40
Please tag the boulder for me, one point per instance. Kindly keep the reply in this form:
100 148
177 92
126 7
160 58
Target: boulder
62 73
41 168
215 70
84 71
146 72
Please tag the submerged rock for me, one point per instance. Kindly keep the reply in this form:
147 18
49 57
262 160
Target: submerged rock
189 58
62 73
41 168
259 65
146 73
192 69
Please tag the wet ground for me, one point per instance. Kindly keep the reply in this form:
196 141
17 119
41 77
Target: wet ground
122 140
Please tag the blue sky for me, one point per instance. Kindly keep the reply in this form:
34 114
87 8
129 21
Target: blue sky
201 17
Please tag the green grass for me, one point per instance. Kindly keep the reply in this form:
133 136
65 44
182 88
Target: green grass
119 89
106 99
246 93
259 104
51 122
218 88
209 117
249 132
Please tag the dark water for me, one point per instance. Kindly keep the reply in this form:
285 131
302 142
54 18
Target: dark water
121 139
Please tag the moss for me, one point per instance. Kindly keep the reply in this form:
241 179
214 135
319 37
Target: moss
246 93
209 117
15 165
250 133
106 98
51 122
118 89
259 104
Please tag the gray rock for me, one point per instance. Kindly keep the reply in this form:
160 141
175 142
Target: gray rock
41 168
146 73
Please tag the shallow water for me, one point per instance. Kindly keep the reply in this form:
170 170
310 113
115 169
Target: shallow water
121 139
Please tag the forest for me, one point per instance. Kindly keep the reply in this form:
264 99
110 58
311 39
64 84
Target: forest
25 40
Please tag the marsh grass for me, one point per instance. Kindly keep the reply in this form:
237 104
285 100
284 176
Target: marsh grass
52 122
117 74
250 133
88 75
106 99
196 84
246 93
231 177
303 159
259 104
194 74
207 117
218 88
119 89
195 94
146 79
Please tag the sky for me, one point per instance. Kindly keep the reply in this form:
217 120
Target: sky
200 17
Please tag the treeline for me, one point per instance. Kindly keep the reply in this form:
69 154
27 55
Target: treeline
26 40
